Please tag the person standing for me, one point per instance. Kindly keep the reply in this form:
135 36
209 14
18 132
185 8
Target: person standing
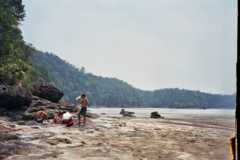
83 110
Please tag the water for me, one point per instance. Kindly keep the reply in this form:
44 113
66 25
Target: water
145 112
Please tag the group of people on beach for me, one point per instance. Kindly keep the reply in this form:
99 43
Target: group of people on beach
67 118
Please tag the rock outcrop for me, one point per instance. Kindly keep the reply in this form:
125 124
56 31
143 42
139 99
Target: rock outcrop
40 104
47 91
43 103
14 97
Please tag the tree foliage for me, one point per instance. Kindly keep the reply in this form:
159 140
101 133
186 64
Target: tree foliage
113 92
15 65
14 52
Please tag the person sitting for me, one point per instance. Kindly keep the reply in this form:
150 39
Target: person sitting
58 118
40 116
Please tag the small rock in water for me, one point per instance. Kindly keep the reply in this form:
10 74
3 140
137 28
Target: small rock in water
156 115
126 113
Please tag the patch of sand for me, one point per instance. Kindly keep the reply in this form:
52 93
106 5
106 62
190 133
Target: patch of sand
139 138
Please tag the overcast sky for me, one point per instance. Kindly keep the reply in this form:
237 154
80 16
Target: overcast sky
151 44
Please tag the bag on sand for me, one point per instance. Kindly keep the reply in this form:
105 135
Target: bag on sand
67 116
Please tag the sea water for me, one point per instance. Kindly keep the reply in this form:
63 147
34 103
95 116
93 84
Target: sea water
167 111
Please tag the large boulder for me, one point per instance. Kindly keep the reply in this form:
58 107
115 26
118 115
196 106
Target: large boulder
127 113
14 97
47 91
40 104
156 115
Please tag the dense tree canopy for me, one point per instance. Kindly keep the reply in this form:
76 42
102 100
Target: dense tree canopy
113 92
21 62
13 51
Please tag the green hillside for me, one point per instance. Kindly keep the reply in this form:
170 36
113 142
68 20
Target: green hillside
113 92
20 63
15 66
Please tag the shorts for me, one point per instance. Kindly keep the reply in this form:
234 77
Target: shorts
83 111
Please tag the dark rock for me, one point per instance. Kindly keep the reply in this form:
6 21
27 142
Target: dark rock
47 91
14 114
7 137
28 116
83 142
40 103
156 115
90 131
35 127
126 113
12 125
56 141
14 97
21 123
50 108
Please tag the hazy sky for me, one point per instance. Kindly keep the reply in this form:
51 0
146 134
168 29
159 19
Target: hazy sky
150 44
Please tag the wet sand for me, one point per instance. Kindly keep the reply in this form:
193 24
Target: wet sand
112 137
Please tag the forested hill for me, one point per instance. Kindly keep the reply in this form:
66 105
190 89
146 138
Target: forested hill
112 92
22 65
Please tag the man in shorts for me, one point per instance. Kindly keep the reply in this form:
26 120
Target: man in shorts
83 111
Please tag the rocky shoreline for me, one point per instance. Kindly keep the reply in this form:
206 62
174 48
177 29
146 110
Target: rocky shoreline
20 103
119 138
128 136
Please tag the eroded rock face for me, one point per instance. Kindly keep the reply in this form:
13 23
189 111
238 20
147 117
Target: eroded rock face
47 91
40 104
14 97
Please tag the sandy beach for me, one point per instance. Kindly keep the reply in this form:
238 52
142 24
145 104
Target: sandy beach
184 135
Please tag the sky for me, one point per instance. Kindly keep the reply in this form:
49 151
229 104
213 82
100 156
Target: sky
151 44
